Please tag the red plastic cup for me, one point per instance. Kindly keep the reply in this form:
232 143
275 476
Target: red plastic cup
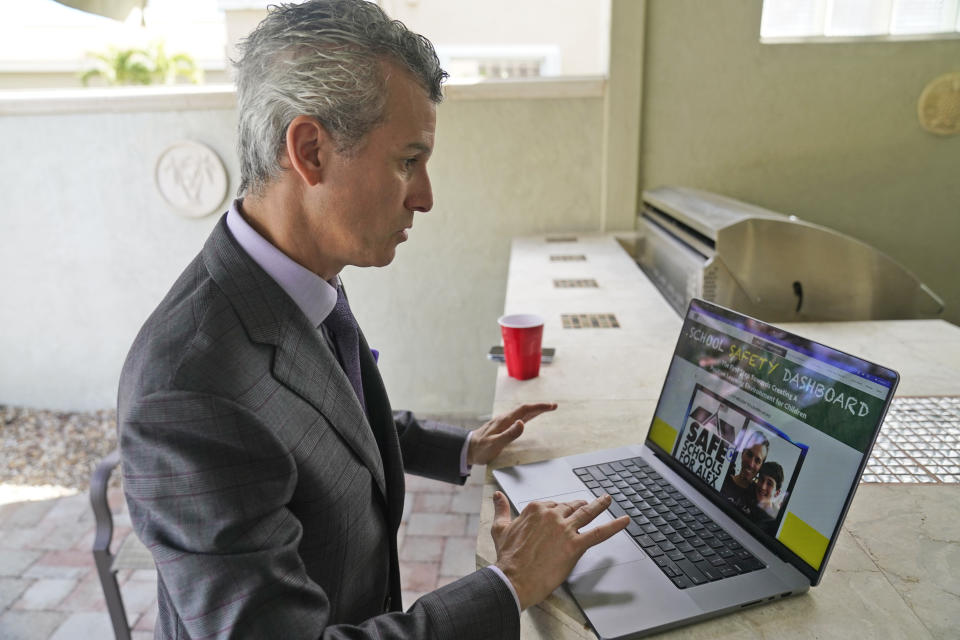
522 334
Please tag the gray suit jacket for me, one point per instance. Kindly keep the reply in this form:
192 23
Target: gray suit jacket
256 479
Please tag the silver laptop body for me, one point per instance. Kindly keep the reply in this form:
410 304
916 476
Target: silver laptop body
736 389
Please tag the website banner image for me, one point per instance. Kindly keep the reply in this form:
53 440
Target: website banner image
765 371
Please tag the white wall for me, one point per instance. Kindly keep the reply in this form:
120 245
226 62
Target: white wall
88 248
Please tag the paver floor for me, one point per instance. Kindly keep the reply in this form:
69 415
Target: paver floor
49 587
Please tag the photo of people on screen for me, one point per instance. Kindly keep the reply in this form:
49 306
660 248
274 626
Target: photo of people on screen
767 490
738 485
748 461
755 484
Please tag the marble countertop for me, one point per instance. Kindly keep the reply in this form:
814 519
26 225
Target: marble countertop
895 571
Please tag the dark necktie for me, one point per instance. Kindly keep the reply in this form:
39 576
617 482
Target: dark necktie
342 327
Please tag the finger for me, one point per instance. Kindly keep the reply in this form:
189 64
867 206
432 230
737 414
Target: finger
589 511
531 411
604 531
538 506
489 446
522 411
509 434
501 510
499 424
567 508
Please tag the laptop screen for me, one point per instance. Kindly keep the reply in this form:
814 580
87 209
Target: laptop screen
774 427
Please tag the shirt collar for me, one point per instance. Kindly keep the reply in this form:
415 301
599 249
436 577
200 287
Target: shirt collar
312 294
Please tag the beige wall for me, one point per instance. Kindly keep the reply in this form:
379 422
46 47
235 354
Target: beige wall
827 132
501 168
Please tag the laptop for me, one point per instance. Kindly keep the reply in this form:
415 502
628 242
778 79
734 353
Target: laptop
738 493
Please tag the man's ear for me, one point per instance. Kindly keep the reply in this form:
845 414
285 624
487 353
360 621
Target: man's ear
307 145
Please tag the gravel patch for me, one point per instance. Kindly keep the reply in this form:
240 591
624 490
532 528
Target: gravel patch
42 447
61 448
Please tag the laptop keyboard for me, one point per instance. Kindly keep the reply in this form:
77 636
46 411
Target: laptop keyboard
687 545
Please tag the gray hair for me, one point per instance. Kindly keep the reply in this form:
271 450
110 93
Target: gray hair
321 58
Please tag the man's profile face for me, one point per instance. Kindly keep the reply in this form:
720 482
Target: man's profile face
750 461
373 191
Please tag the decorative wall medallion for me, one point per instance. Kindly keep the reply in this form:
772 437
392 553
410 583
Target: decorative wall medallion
939 105
191 178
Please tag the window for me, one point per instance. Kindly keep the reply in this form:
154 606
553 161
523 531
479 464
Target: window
804 19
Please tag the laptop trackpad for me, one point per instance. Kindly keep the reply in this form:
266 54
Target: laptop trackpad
616 550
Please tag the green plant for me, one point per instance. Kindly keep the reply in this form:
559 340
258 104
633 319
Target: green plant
168 67
119 66
131 66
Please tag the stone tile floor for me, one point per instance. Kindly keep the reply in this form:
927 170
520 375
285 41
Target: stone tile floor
49 587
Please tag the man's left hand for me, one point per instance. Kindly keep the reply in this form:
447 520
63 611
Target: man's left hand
488 441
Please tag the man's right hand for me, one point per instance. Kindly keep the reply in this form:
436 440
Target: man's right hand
539 549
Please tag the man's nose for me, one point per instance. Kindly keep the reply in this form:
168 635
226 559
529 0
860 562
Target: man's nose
420 196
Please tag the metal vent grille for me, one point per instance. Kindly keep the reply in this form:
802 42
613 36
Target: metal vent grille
589 321
919 442
561 239
573 257
588 283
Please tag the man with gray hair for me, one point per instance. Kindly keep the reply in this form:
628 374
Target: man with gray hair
262 463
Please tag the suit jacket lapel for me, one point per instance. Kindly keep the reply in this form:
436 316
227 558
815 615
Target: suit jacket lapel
307 366
302 361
